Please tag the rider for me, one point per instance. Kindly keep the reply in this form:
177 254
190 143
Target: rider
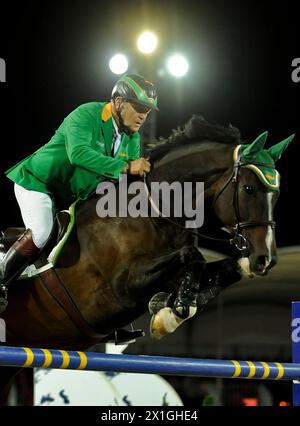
96 141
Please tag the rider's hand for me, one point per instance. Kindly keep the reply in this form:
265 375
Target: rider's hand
139 167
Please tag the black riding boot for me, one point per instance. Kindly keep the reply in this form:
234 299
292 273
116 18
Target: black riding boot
18 257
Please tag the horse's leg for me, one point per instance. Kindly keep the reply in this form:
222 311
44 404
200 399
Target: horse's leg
7 375
166 319
216 277
145 278
153 273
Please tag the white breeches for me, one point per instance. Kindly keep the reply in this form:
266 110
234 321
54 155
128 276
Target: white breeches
37 213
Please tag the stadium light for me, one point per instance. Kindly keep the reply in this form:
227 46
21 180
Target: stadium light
118 64
147 42
177 65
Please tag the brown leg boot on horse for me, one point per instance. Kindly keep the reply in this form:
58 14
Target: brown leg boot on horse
18 257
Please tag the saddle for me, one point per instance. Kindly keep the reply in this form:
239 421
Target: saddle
71 250
66 257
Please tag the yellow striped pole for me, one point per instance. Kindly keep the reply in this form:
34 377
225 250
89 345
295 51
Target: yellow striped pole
52 358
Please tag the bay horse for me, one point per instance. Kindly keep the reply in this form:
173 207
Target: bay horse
125 262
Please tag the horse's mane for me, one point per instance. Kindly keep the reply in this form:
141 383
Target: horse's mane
196 128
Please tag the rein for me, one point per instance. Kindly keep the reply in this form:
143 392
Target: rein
238 240
155 208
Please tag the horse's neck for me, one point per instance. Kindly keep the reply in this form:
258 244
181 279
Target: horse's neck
205 162
202 162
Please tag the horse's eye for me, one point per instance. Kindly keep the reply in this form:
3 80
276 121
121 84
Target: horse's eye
249 189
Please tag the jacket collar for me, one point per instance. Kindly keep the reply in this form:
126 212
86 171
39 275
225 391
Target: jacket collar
106 112
107 125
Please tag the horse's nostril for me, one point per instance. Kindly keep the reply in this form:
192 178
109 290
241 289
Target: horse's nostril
261 263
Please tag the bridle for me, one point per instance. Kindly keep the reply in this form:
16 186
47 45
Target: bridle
238 240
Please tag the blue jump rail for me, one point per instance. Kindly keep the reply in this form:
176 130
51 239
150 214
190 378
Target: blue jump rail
52 358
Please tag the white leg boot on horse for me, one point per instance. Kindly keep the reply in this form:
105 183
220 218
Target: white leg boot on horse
166 320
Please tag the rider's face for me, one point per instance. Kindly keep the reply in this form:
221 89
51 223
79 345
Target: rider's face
133 115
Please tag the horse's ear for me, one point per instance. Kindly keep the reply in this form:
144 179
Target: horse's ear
256 146
276 150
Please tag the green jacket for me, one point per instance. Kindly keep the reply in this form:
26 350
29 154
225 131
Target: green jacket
78 156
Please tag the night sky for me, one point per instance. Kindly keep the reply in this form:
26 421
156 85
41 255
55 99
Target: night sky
240 55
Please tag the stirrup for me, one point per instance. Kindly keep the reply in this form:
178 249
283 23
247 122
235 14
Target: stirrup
122 336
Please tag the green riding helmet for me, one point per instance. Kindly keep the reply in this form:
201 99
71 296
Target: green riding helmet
135 88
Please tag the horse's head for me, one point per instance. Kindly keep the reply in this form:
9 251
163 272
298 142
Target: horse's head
245 201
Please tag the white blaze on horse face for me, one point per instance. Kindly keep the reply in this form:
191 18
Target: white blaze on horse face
269 234
244 261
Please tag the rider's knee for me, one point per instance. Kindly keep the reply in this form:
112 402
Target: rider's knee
41 236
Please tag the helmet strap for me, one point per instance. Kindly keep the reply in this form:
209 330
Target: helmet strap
122 127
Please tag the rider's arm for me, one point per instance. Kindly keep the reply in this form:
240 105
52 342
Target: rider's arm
135 147
134 150
78 134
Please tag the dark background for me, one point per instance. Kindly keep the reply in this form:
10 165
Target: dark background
240 56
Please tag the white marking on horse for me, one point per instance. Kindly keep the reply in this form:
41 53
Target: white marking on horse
269 233
165 321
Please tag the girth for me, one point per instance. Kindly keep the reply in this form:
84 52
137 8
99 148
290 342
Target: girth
56 288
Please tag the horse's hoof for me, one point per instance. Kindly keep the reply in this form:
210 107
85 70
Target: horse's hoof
159 301
163 323
157 328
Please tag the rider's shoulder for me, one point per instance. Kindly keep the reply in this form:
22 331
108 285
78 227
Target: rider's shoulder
91 106
88 109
